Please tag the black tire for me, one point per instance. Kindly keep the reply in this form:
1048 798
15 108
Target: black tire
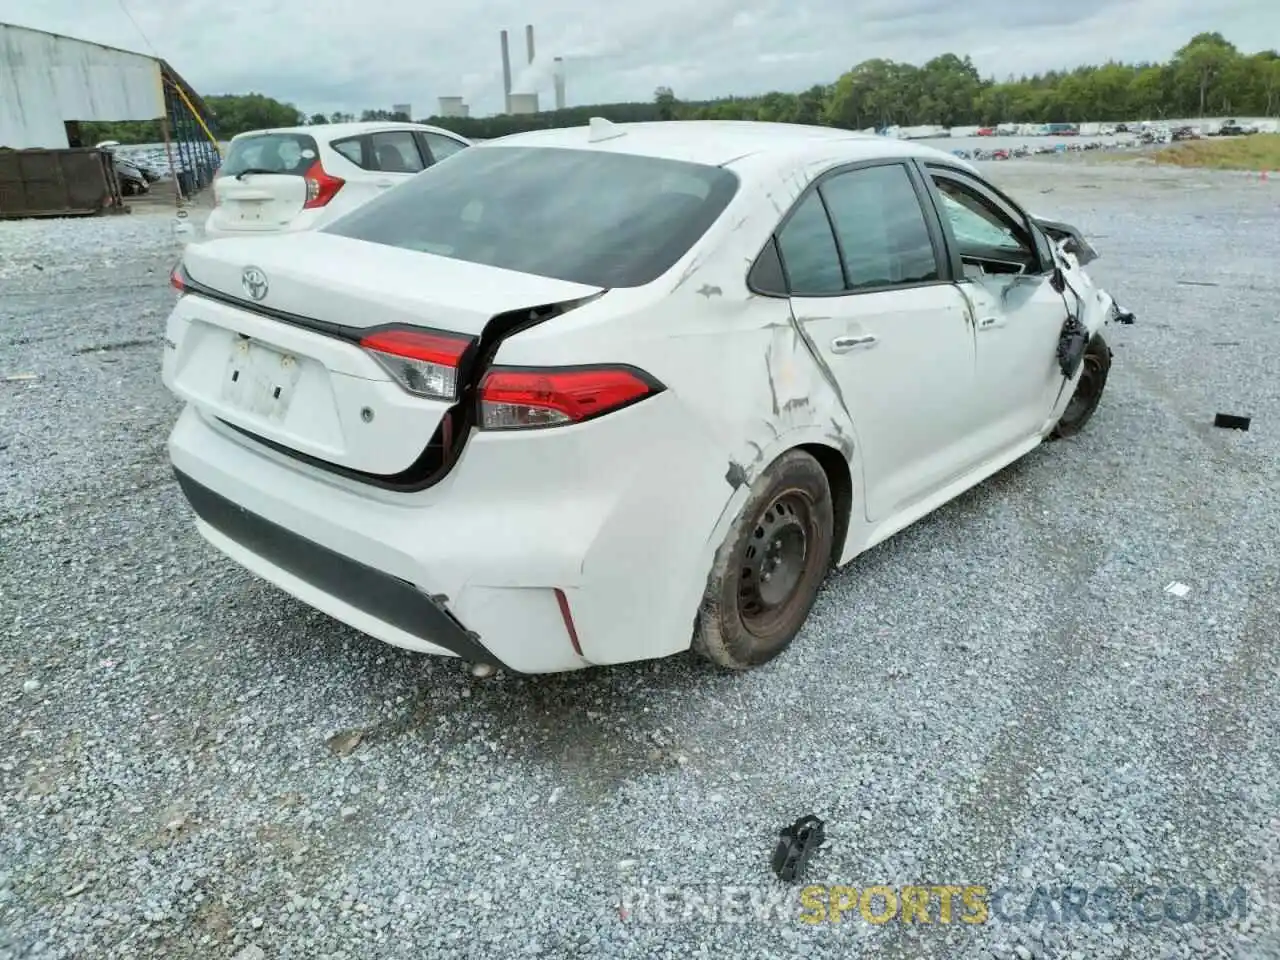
1089 388
785 530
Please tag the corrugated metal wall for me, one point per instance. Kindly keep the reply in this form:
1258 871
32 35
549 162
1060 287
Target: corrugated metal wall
46 80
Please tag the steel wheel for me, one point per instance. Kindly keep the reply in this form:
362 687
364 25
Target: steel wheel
774 562
768 569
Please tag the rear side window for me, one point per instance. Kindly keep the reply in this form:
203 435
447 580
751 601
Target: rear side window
396 151
287 153
587 216
352 148
881 227
441 146
808 250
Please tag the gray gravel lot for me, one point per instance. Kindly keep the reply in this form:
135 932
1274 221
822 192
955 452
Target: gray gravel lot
1003 695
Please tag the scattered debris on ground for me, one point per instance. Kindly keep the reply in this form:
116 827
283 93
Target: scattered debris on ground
796 845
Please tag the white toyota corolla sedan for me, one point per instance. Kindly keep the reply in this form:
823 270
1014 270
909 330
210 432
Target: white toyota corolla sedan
595 395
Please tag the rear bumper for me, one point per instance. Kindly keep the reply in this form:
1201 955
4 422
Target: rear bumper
378 597
484 564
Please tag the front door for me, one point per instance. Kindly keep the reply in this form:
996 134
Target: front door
1018 313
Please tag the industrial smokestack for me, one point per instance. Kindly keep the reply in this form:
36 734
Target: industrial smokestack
558 78
528 40
506 74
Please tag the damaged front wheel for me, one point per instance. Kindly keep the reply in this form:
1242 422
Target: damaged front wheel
1094 368
768 570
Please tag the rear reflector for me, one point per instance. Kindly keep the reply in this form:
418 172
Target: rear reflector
513 399
567 615
423 362
321 186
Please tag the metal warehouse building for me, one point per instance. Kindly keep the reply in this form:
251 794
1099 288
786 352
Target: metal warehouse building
49 83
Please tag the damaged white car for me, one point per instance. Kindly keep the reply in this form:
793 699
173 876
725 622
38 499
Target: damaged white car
594 395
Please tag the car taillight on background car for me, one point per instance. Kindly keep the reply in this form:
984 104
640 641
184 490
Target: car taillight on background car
321 186
422 362
514 398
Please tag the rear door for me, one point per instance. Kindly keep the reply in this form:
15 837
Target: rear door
869 284
1018 313
261 185
396 157
382 160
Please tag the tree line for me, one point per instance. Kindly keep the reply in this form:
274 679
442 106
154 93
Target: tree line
1208 76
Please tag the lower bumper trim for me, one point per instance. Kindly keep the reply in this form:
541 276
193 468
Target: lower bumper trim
381 595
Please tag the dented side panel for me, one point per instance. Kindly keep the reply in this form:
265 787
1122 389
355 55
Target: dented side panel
747 387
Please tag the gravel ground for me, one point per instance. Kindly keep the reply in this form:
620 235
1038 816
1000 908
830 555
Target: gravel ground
194 765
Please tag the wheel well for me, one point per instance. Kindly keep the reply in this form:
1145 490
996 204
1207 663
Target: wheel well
836 468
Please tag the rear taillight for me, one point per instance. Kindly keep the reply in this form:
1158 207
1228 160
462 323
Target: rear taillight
513 398
423 362
178 278
321 186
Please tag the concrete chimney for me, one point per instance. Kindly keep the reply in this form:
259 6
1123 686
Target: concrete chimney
558 78
528 40
506 74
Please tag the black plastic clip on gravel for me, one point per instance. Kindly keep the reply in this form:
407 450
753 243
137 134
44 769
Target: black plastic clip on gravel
796 844
1230 421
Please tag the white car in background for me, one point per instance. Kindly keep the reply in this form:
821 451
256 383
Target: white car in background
297 178
594 395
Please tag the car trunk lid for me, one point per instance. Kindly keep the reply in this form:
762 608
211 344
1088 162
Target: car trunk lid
262 184
259 201
273 346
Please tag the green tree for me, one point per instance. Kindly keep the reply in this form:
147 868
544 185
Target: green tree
665 100
1202 62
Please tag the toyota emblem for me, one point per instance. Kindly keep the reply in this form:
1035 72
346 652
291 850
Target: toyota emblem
255 282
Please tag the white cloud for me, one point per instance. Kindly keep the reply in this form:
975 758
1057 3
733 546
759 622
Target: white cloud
326 55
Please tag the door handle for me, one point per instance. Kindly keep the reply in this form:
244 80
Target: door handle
990 323
845 344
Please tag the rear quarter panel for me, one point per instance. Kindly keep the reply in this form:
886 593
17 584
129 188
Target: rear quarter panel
748 388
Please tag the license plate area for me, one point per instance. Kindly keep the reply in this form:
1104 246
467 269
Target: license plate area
251 210
260 380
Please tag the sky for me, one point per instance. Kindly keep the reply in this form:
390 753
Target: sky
328 55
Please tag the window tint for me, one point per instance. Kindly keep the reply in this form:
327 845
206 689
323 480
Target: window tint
287 153
981 230
441 146
351 148
588 216
809 251
396 152
881 227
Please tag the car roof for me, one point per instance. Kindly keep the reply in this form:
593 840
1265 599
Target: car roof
719 142
327 130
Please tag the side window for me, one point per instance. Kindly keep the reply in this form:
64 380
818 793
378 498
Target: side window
440 145
352 148
808 251
883 235
396 151
983 232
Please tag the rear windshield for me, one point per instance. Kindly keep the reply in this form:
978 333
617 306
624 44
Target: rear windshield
290 153
586 216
